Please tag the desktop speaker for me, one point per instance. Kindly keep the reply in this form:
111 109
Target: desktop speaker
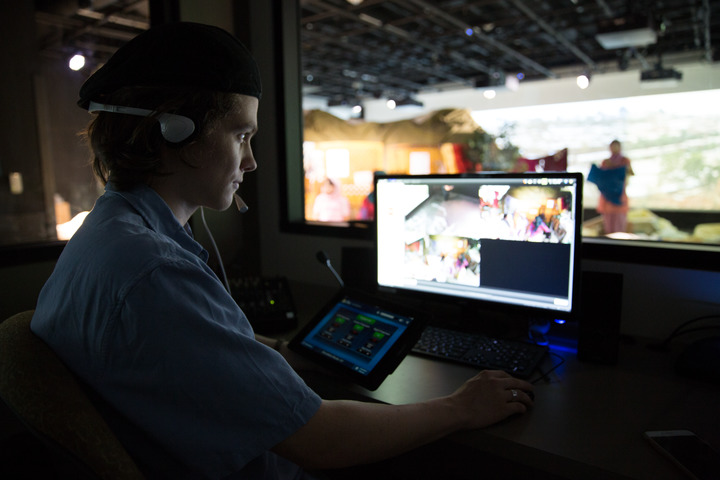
358 268
600 311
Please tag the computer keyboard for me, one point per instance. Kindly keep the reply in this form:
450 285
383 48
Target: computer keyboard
518 358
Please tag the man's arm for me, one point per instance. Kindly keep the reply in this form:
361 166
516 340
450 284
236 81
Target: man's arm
296 361
344 433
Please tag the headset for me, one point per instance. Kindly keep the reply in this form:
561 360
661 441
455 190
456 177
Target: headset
174 128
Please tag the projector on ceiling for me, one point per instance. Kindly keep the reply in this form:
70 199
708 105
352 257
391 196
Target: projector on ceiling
623 32
659 73
660 77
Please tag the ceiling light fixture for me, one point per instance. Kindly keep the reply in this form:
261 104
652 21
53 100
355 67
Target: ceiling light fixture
512 83
583 81
77 62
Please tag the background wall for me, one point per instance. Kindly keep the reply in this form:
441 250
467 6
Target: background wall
19 135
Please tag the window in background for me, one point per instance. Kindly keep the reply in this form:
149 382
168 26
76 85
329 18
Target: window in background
45 168
671 140
356 60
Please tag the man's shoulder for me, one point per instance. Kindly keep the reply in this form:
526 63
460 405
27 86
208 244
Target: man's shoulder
118 251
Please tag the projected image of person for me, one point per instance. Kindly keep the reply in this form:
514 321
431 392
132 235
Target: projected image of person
330 205
537 214
367 209
537 230
445 259
512 216
614 211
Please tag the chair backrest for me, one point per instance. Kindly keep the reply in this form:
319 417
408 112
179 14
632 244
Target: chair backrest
46 397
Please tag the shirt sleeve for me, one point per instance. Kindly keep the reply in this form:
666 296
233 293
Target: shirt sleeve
180 360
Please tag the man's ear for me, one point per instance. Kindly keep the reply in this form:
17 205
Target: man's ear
172 158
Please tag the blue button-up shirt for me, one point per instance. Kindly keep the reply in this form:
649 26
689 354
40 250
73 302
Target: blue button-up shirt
135 312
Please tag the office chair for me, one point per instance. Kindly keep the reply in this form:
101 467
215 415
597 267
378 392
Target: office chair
46 397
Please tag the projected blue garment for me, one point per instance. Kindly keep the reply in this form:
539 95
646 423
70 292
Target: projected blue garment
610 182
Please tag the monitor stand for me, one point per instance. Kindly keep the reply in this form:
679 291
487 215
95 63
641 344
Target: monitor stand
538 331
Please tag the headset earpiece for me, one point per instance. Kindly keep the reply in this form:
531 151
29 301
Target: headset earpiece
174 128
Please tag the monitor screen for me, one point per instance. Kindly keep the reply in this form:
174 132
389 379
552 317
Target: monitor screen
505 239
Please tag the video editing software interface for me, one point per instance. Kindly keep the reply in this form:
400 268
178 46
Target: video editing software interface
356 334
511 239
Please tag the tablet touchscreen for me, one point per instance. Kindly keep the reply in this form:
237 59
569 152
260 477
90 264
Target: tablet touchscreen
360 336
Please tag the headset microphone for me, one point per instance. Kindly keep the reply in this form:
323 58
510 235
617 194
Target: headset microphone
174 128
240 204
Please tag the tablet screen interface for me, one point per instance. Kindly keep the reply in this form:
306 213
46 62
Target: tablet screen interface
356 334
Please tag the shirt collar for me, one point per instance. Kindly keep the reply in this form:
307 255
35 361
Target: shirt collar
158 216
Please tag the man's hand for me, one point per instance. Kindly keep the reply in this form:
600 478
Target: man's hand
491 396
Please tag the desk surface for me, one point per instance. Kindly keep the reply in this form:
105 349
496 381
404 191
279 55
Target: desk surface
588 420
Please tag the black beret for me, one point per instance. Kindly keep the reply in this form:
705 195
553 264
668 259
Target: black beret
181 54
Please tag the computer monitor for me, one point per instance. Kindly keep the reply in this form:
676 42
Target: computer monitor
499 241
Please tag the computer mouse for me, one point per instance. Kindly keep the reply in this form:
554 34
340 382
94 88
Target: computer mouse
700 360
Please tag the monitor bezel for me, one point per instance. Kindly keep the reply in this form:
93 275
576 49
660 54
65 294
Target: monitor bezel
486 312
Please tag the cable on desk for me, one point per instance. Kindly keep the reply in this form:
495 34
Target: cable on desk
679 331
554 367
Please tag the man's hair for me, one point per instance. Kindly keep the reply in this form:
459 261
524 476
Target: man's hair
126 148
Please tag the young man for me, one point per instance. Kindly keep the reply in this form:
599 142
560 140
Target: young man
133 309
